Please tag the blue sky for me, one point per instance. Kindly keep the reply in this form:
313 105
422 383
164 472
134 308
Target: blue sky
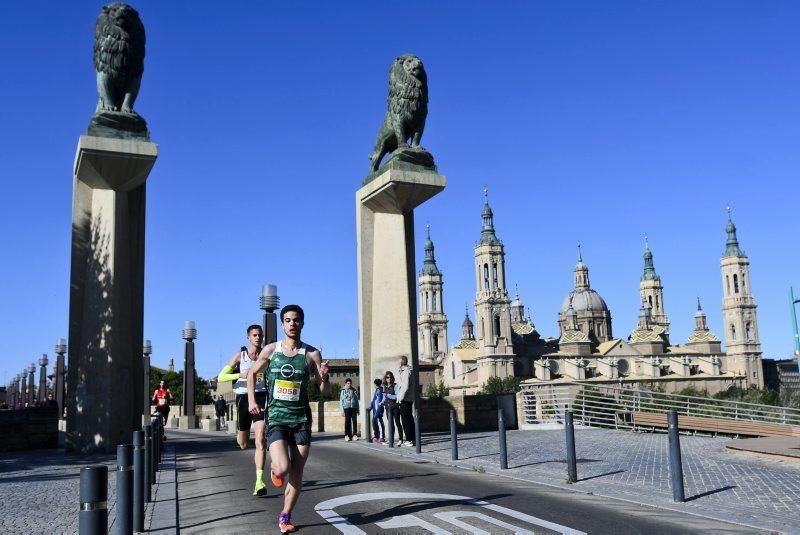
591 121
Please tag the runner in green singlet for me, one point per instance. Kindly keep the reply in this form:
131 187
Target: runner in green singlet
290 364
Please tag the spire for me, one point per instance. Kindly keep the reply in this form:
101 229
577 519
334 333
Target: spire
732 245
581 272
466 327
487 231
429 267
649 268
700 323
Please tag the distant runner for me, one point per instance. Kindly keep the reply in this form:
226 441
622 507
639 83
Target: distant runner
162 396
239 369
290 363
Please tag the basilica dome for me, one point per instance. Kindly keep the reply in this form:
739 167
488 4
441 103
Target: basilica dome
584 299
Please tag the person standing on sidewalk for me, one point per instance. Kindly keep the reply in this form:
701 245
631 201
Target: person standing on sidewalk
220 407
377 413
405 396
392 407
290 364
239 369
348 402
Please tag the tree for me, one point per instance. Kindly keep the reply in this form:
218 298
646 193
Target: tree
495 385
174 381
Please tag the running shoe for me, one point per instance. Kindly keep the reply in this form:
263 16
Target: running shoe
260 489
285 523
347 439
276 480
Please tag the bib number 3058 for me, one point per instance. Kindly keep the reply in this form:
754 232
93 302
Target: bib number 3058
287 390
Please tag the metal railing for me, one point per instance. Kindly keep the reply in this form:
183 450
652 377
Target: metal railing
613 406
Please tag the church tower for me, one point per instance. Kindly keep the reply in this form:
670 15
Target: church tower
742 345
492 305
651 291
432 321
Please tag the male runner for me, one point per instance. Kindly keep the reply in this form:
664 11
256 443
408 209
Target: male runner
290 363
244 361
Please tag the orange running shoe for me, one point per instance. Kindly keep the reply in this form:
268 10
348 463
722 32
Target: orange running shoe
285 523
276 480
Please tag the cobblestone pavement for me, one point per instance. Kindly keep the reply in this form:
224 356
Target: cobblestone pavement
39 490
635 466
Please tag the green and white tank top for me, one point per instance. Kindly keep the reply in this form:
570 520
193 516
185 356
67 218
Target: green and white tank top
245 363
288 381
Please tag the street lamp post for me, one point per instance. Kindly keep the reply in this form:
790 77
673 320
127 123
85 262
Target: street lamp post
31 388
61 350
269 302
42 378
794 301
189 334
147 350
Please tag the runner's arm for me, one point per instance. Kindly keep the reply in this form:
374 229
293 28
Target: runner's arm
227 373
319 367
261 362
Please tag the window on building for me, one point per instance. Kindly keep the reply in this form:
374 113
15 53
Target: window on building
728 284
735 283
435 342
743 277
433 304
733 331
650 300
497 326
494 275
427 302
486 276
452 370
748 331
657 303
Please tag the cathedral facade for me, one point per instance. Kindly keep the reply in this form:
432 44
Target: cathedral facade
503 341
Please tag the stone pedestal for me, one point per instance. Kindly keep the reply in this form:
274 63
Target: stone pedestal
387 283
187 422
230 427
107 292
209 424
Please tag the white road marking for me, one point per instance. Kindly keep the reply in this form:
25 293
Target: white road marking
452 517
327 508
408 521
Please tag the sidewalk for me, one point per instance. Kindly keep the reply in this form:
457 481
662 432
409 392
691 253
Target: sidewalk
634 467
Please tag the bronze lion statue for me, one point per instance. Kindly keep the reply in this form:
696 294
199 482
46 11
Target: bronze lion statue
118 57
407 108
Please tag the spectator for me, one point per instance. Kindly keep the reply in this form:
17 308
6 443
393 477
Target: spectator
220 407
405 396
391 406
348 402
51 403
377 413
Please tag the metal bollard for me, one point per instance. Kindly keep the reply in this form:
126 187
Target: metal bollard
572 461
675 465
367 426
417 432
124 520
390 418
154 451
138 481
148 458
453 436
93 515
501 431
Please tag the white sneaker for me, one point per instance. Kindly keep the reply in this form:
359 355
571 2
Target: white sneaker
347 439
355 437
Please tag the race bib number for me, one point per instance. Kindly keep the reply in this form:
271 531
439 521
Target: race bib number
260 377
287 390
161 401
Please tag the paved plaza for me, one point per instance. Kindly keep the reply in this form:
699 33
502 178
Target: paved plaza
632 466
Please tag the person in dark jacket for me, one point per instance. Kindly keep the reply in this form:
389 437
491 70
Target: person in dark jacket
221 408
379 434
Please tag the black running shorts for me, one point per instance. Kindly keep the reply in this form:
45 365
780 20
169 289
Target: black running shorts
245 419
297 434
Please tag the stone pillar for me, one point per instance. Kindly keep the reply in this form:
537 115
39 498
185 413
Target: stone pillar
31 389
23 392
147 350
106 292
387 292
61 349
42 379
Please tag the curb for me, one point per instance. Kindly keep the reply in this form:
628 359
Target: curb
162 513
